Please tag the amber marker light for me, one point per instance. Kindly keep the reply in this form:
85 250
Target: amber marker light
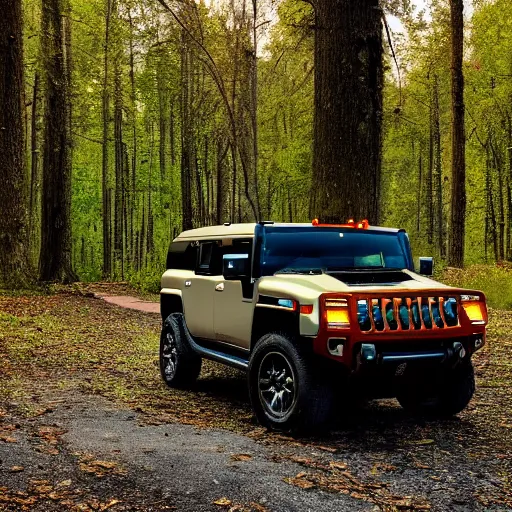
474 312
306 309
474 308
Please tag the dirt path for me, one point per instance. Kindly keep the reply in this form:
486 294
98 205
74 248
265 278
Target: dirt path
86 424
128 302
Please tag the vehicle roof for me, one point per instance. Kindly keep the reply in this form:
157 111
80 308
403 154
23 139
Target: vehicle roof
247 230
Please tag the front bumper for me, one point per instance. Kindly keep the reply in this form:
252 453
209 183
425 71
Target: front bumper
355 352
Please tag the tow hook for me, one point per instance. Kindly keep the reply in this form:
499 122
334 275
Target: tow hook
459 350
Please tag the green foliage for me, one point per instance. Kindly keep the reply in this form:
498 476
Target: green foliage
494 280
219 46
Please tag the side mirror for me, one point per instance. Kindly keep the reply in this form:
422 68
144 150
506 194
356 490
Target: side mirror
235 266
426 266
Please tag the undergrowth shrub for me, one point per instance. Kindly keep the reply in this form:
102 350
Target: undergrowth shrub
494 280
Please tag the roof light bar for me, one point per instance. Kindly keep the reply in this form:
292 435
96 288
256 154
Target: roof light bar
362 224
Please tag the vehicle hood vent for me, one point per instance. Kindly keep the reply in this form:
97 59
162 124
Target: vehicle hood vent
371 277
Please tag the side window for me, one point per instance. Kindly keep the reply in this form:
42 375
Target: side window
209 261
205 256
182 256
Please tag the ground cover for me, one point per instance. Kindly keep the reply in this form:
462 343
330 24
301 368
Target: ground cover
67 345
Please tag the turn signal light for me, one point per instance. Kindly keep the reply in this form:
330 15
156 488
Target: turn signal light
475 312
306 309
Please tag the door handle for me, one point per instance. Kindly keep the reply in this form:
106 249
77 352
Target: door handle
188 284
219 287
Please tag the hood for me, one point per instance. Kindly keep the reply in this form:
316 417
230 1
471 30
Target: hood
348 282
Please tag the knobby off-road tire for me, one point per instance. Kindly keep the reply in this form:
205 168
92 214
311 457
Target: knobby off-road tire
451 394
286 392
179 364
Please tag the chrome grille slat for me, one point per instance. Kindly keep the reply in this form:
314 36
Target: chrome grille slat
435 312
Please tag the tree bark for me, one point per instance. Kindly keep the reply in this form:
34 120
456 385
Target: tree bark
14 266
106 203
458 206
438 170
120 167
55 257
187 136
348 110
35 176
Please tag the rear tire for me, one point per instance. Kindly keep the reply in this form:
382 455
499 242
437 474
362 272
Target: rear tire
179 364
447 397
286 392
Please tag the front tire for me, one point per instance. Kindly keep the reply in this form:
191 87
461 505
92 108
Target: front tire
179 364
286 392
450 395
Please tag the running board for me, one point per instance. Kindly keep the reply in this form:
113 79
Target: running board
215 355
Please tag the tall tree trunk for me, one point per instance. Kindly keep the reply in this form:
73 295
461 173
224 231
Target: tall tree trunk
132 186
119 169
55 257
35 178
497 164
163 114
458 209
430 176
420 184
438 170
105 188
254 104
491 213
186 136
14 266
348 110
509 188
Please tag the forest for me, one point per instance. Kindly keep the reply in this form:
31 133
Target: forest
141 118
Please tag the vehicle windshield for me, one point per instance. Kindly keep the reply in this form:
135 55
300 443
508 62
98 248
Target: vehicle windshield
307 250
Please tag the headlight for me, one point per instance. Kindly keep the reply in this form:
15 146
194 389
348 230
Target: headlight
337 314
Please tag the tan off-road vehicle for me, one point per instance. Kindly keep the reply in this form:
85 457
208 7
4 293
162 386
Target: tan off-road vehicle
316 312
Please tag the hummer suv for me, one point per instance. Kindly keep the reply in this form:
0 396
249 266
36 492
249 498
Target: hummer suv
318 312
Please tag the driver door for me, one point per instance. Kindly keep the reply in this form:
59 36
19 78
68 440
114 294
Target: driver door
234 295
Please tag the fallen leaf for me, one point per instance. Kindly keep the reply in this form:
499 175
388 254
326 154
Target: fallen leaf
17 469
420 465
338 465
8 439
223 502
421 442
300 481
241 457
327 449
111 503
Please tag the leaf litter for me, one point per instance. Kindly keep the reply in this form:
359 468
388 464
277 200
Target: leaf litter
71 342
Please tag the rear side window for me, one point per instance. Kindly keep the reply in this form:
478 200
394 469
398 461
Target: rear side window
182 256
209 260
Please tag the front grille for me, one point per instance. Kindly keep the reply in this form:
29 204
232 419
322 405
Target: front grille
386 314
